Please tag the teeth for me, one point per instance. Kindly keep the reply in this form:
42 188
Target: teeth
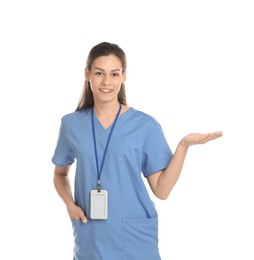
106 90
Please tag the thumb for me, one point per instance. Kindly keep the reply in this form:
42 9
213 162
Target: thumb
83 219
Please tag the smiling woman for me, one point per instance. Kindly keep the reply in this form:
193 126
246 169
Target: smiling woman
112 214
105 82
103 50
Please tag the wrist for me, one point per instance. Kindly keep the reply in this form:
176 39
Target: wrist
184 144
70 204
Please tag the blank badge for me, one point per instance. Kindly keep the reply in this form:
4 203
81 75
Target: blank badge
98 204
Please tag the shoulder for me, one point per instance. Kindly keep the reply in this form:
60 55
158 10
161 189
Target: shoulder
73 117
144 118
144 123
149 127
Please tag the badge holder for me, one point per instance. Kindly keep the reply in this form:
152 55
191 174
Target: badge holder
98 204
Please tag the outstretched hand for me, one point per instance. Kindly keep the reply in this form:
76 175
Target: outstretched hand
197 138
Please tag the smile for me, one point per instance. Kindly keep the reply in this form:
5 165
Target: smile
105 90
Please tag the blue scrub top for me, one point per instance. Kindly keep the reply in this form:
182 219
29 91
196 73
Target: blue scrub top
137 146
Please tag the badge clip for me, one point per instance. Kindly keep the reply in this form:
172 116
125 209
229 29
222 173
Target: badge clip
98 186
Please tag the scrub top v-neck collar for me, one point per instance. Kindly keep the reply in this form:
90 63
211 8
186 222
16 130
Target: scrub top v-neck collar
101 129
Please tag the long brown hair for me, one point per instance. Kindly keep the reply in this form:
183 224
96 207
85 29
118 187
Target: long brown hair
102 49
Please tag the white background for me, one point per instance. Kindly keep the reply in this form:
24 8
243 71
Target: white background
190 65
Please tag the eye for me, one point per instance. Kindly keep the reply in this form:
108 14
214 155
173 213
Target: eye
114 75
98 73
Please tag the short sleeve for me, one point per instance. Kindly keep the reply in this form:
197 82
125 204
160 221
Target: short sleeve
156 153
63 154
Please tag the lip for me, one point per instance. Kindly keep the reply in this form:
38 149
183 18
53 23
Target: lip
106 90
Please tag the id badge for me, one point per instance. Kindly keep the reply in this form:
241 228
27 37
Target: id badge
98 204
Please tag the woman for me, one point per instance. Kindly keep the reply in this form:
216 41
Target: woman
112 215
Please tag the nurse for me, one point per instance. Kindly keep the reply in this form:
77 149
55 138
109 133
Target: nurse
112 216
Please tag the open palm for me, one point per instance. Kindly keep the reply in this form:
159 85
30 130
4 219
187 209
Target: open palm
197 138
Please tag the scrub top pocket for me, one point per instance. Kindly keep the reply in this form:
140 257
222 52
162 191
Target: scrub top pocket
140 239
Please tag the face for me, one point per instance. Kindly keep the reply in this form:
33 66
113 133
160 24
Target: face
106 78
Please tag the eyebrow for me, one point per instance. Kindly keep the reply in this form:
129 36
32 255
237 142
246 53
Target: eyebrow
96 68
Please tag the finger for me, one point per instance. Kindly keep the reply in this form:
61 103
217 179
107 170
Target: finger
212 136
83 218
216 135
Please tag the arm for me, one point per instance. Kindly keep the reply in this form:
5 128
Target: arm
63 188
162 182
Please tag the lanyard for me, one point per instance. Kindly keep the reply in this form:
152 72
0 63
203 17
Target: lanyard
99 170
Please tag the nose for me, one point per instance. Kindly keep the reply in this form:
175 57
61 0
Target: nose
106 81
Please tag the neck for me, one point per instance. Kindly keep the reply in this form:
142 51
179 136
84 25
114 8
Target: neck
106 109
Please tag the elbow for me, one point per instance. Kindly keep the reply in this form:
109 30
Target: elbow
162 196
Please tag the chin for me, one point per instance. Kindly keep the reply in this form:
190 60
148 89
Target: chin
107 100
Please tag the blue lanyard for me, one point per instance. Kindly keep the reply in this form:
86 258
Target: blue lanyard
99 170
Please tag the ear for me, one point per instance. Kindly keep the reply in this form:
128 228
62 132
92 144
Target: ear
124 77
87 74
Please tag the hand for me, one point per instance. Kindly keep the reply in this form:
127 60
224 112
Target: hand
196 138
76 213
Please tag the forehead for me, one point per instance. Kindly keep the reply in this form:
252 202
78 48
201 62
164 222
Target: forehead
107 62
